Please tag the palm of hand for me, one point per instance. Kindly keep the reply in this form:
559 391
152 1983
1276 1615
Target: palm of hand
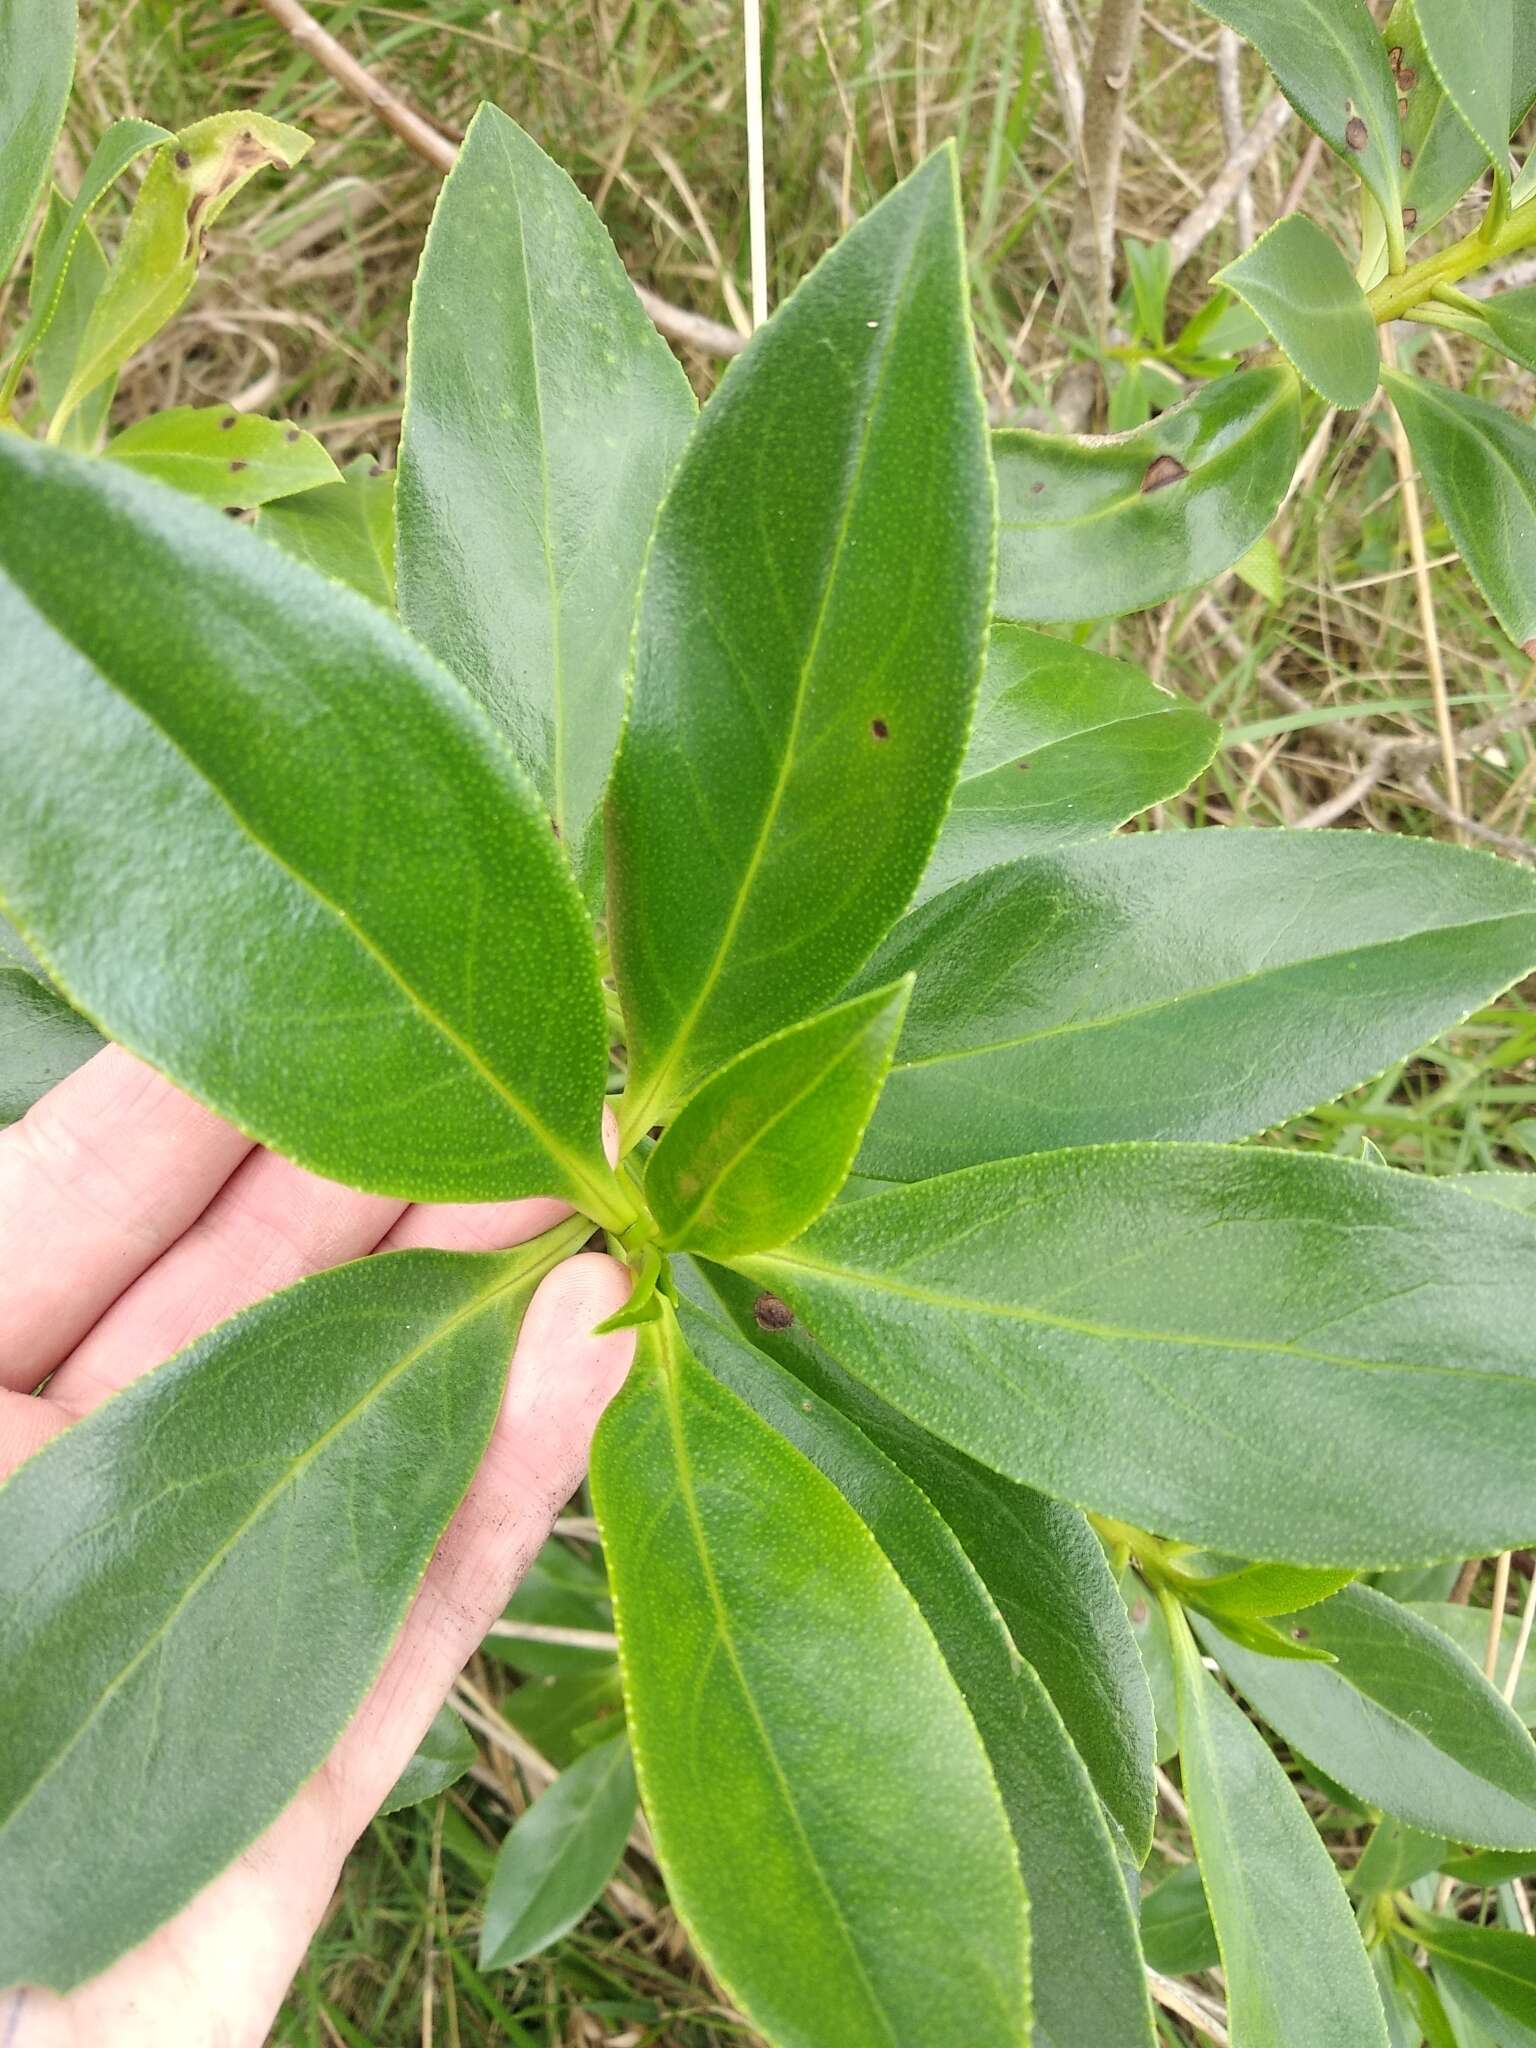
133 1221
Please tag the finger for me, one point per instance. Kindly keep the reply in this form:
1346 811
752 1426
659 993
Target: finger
104 1173
220 1969
270 1225
472 1226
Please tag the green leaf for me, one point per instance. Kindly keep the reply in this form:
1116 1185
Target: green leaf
1480 462
561 1589
1067 745
1419 1994
226 458
1471 44
1039 1560
777 1763
1150 1633
564 1717
57 248
1086 1971
1489 1866
1180 985
1295 1968
1254 1592
1395 1857
1468 1628
1403 1719
1262 571
1090 528
1196 1340
1498 1967
559 1855
1442 158
53 360
344 530
539 434
266 843
1328 59
37 61
443 1755
766 1143
1511 319
807 651
41 1037
184 192
197 1633
1511 1190
1177 1935
1299 283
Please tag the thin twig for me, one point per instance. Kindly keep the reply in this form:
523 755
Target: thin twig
709 337
547 1632
1065 75
1496 1615
1194 2011
1229 96
1418 554
1522 1642
757 212
1239 168
1091 245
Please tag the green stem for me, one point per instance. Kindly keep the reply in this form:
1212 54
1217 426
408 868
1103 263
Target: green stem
1395 298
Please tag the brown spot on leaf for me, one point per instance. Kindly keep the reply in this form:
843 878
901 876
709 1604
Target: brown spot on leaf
183 160
1138 1612
1529 649
1356 134
1162 471
772 1314
1036 489
655 1131
1407 78
1301 1635
1407 159
226 423
879 728
1023 764
236 467
1410 216
1395 55
291 436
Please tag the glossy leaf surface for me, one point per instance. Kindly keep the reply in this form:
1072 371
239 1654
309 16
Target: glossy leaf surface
1138 1328
1471 44
41 1037
1039 1560
1067 745
540 430
183 194
784 1694
230 459
193 1633
1180 985
1328 60
37 61
1295 1967
767 1142
559 1855
1480 462
1090 528
1494 1964
266 843
443 1755
1402 1720
345 530
807 652
1086 1969
1297 280
1468 1628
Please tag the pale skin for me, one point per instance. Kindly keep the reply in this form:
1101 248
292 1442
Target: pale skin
133 1220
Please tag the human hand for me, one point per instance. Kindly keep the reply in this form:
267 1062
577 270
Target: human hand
132 1220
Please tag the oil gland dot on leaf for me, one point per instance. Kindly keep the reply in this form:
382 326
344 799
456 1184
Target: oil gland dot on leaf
772 1314
1162 471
